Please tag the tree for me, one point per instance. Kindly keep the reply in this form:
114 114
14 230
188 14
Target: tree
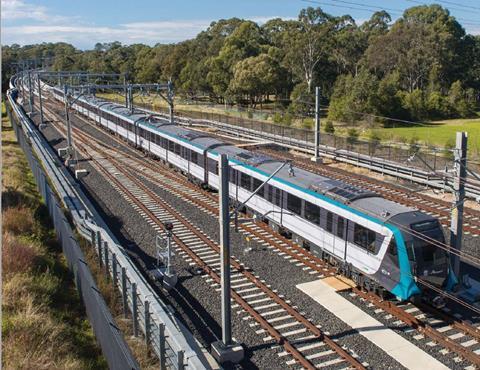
309 42
245 41
254 77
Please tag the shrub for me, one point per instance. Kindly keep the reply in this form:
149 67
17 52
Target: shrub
17 257
287 119
308 123
18 220
352 136
277 118
329 128
250 113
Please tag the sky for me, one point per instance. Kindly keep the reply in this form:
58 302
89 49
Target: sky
83 23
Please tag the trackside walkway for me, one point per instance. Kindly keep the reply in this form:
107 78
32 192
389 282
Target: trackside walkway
393 344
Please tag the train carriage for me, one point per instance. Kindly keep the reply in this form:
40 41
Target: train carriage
380 244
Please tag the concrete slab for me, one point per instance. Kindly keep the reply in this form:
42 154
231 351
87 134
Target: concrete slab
392 343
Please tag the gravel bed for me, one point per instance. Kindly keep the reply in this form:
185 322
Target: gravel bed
193 300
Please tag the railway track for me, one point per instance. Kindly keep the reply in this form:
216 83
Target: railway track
457 339
432 206
278 320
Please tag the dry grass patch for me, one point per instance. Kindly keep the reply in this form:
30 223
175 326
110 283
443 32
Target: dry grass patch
17 257
17 220
33 339
44 325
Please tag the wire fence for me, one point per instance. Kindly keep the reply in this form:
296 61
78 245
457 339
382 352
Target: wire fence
427 158
174 346
109 336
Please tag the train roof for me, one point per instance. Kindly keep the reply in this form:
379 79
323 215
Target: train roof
381 208
356 197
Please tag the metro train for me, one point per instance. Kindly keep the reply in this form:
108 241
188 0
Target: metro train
382 245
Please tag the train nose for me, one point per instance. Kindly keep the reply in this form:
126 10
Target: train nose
435 274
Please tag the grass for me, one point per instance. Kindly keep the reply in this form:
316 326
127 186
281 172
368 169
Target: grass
437 133
44 324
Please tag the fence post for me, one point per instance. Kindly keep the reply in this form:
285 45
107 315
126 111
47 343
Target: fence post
124 292
105 250
134 309
114 270
99 247
92 236
180 360
161 345
147 322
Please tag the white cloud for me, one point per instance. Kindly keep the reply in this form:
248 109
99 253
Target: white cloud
18 9
25 23
86 36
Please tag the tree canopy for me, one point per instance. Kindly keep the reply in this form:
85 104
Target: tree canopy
422 66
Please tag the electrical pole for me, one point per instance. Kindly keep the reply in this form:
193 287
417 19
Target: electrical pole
170 99
40 98
225 350
125 90
225 250
456 227
30 91
316 157
67 119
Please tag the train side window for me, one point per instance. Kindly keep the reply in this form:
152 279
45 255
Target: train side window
312 213
256 184
200 160
275 196
392 247
294 204
340 227
329 222
193 157
170 146
364 238
392 251
245 181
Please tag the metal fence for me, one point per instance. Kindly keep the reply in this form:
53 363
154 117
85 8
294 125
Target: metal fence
170 340
109 336
426 158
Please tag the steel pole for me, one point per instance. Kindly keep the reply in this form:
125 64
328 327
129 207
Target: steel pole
317 123
456 227
169 251
170 100
30 92
224 217
40 98
125 91
67 119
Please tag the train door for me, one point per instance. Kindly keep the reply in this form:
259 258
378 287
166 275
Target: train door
205 166
339 237
329 239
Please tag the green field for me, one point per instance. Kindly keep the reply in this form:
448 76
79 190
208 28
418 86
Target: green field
437 133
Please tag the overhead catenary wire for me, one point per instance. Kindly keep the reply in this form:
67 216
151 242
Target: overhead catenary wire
372 8
457 6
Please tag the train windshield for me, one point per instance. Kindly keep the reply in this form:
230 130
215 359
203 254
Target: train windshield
429 257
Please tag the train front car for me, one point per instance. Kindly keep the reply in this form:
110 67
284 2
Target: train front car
422 238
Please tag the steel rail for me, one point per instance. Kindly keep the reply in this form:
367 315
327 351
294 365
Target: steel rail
319 265
264 323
